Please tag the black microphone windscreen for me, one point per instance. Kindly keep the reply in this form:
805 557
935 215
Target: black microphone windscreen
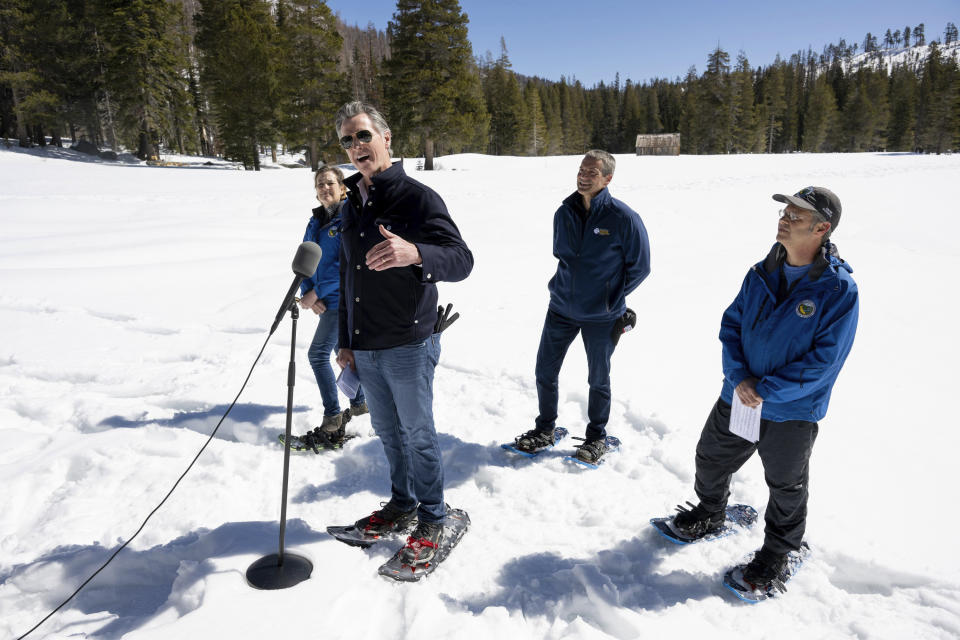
307 258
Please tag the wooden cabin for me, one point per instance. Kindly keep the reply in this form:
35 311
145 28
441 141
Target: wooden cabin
658 144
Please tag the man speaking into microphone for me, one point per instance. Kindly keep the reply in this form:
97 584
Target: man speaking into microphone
397 241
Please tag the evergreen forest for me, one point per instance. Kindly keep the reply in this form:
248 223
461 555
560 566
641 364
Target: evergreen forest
237 78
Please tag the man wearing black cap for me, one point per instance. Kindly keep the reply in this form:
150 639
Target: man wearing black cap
785 339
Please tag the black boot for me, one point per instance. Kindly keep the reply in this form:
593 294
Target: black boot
387 520
765 571
697 522
534 440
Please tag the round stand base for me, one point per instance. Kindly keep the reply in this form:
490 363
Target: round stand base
265 573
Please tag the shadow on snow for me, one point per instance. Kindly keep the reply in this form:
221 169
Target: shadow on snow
137 584
626 576
363 467
203 421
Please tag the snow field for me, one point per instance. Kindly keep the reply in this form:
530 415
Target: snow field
135 298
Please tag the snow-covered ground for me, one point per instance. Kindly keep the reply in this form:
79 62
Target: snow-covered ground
913 57
134 299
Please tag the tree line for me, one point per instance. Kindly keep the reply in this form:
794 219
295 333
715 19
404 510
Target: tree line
236 77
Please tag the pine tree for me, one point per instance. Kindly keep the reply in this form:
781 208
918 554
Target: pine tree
654 122
237 65
878 83
794 97
360 60
603 112
144 69
690 139
536 133
903 99
434 92
716 108
745 130
506 106
576 129
550 99
634 116
950 33
192 125
669 102
23 68
773 101
820 118
865 115
937 110
310 87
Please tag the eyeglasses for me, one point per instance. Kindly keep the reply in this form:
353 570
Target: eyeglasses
790 215
362 136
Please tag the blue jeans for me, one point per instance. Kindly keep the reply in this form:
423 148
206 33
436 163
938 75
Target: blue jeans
324 342
399 387
558 332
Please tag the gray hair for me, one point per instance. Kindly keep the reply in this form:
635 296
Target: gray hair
608 162
356 108
816 218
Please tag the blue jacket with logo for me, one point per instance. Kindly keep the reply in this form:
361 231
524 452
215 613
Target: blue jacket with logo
325 231
601 260
796 348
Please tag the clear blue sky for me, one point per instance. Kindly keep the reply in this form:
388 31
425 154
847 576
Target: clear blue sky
592 41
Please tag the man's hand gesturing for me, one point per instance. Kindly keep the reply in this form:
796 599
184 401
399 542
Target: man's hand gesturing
392 252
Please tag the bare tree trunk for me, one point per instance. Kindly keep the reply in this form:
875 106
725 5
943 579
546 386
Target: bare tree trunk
273 153
22 135
111 130
145 148
256 157
428 155
770 137
312 151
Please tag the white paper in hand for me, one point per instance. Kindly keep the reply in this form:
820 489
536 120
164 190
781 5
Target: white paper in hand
348 382
744 420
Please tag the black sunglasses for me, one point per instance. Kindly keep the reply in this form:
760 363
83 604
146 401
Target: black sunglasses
362 136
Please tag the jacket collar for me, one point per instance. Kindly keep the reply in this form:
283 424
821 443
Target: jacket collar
828 258
320 213
383 182
598 202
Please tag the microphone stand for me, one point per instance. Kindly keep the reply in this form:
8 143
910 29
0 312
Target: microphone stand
280 570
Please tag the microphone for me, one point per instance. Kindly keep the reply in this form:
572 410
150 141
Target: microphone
304 265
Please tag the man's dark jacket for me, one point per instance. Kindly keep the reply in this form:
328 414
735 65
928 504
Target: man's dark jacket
602 256
384 309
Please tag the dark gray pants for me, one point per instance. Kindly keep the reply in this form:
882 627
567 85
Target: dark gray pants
784 448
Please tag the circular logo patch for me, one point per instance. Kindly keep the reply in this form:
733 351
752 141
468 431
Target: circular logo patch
806 308
332 232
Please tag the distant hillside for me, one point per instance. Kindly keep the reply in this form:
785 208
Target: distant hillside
913 57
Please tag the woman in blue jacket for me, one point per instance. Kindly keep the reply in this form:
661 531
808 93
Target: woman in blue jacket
321 294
